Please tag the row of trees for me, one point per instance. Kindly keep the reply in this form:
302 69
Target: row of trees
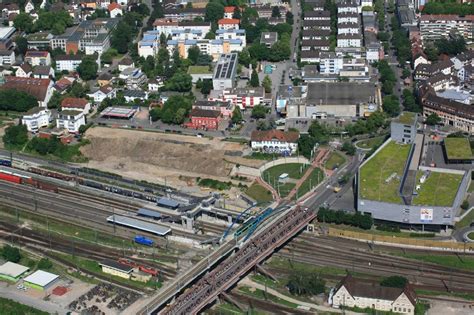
448 7
317 133
400 41
390 103
125 32
56 22
363 221
15 100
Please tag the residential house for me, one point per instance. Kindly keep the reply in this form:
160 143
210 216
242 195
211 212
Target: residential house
29 6
104 92
43 72
115 10
319 45
275 141
125 63
310 56
133 95
155 84
268 38
317 15
78 104
36 118
41 89
204 119
183 14
353 292
228 24
7 57
71 120
104 79
349 40
433 27
24 71
38 58
316 34
229 12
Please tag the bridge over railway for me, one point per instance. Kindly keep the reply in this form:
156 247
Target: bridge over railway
261 245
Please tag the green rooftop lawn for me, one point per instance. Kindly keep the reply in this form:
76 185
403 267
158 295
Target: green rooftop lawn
199 69
391 159
458 148
406 118
439 189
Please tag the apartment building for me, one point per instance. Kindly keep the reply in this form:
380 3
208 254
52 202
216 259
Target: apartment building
36 118
67 62
433 27
349 40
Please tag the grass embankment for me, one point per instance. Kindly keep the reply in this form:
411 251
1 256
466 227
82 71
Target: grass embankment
259 193
11 307
461 262
262 295
466 221
335 159
371 143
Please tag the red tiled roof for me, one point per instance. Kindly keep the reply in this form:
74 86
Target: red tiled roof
35 87
36 53
197 112
290 136
114 5
229 9
73 102
228 21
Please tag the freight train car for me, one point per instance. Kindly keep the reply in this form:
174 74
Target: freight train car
26 180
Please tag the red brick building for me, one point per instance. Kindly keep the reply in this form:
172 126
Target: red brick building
204 119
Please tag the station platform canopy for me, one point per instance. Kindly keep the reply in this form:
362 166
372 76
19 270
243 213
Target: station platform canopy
139 224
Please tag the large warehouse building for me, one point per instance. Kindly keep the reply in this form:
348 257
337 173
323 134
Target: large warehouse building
394 185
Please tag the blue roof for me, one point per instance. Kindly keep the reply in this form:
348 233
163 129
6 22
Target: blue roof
149 213
172 42
216 41
190 42
235 41
167 203
139 224
150 37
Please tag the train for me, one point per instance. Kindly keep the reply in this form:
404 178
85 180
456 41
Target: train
143 240
6 163
27 180
143 268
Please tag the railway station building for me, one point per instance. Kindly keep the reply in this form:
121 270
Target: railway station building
116 269
12 272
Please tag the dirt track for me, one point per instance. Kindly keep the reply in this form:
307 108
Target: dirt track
154 156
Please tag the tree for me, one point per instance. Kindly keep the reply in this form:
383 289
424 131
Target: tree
236 115
11 253
289 18
210 35
280 51
465 205
155 113
237 14
15 136
406 73
394 282
21 44
431 52
171 113
122 36
258 112
193 54
267 84
88 67
391 105
452 46
206 86
383 36
254 81
258 51
45 264
433 119
387 87
348 148
409 101
55 100
214 12
276 12
305 283
23 22
180 82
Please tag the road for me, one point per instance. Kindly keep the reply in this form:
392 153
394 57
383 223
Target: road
392 57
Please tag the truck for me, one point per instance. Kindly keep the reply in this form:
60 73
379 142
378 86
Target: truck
143 240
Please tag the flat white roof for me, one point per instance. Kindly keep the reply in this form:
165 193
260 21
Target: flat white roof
12 269
41 278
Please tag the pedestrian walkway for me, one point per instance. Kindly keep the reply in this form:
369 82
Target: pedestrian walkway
276 197
317 163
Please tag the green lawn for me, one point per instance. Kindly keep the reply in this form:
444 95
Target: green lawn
406 118
466 220
294 170
471 235
259 193
471 187
458 148
376 181
439 189
371 143
285 189
199 70
314 179
335 160
444 260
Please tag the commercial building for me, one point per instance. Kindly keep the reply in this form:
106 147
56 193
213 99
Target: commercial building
12 272
41 89
242 97
71 120
212 47
119 112
342 99
200 72
167 26
433 27
225 71
67 62
204 119
41 280
403 128
116 269
351 292
226 108
275 141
